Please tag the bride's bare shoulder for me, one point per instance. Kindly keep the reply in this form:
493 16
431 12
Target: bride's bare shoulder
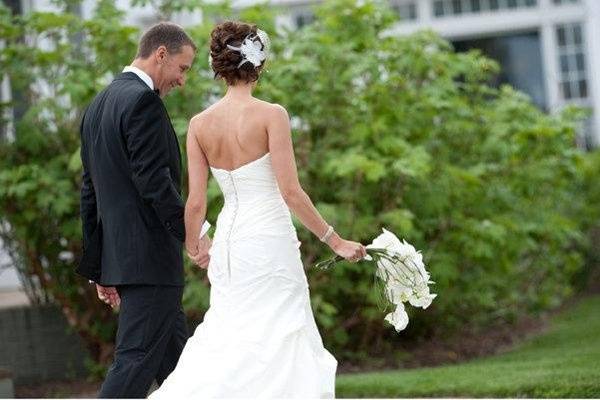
200 119
273 110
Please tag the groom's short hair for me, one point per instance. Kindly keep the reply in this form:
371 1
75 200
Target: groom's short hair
167 34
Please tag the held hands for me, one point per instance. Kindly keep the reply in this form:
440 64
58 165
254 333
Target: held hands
349 250
199 255
109 295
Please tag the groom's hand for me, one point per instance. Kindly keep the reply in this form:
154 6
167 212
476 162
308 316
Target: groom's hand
204 244
109 295
202 258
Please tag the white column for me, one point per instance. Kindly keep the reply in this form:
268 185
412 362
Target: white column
424 11
27 6
592 42
549 58
5 96
550 64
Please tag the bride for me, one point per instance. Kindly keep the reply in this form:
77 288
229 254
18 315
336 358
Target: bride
259 337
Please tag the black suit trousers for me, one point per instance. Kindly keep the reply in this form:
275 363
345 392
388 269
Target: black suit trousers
150 338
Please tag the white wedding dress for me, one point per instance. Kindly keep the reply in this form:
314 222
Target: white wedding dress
258 338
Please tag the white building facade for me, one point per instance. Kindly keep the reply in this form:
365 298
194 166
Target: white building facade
549 49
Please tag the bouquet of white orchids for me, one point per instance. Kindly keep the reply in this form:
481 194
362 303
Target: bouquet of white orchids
400 267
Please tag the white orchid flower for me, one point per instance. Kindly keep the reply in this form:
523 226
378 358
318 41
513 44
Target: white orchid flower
423 302
399 318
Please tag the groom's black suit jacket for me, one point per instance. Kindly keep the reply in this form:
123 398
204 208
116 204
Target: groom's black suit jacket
131 205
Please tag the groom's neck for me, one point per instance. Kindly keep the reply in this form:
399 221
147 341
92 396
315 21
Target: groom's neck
148 66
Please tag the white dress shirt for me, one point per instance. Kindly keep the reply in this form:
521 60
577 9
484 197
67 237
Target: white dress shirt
143 76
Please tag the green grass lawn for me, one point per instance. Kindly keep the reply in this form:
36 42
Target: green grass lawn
564 362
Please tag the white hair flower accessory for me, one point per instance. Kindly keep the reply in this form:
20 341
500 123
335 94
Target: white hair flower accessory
253 49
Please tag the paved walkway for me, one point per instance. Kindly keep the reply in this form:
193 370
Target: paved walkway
13 298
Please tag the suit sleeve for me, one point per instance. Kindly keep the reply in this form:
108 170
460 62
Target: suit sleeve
90 264
147 143
88 207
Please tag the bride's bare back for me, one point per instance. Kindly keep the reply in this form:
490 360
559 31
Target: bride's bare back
233 132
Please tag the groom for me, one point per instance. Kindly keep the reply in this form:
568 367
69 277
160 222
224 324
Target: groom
132 211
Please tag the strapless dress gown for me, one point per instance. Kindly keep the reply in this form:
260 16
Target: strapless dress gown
258 338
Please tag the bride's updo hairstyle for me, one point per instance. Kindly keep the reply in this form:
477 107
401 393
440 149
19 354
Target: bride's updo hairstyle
225 61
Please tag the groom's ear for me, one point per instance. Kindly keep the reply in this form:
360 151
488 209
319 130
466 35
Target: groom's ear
160 55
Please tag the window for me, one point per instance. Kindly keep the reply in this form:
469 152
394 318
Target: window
443 8
520 57
561 2
303 18
571 60
14 5
407 10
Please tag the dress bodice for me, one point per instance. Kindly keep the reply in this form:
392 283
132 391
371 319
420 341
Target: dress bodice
253 205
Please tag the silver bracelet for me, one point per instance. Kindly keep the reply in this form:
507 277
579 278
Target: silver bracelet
327 234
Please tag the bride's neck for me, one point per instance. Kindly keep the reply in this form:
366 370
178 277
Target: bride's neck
240 91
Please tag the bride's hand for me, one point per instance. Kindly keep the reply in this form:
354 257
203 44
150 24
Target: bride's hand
349 250
199 255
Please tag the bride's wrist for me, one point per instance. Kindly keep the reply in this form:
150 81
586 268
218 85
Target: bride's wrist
334 241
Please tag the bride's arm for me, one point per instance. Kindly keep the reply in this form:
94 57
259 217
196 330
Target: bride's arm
284 167
195 206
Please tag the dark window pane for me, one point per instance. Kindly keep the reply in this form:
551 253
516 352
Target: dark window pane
406 11
577 34
494 4
561 37
438 8
456 7
304 19
583 92
475 5
412 11
580 61
14 6
512 3
564 63
520 59
530 3
566 90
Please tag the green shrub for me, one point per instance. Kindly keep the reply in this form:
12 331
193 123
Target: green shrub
395 132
